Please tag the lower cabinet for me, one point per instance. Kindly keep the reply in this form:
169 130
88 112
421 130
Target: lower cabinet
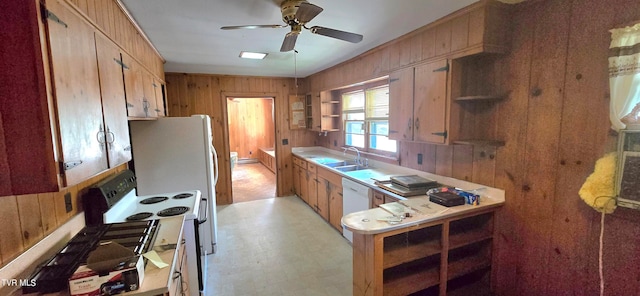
267 160
312 186
300 178
320 188
330 197
179 283
335 206
323 197
447 257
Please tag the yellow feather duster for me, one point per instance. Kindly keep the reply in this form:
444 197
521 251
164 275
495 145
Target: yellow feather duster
598 191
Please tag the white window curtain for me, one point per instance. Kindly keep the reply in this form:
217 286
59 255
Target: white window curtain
624 77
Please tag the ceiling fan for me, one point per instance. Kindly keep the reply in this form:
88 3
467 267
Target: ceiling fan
296 14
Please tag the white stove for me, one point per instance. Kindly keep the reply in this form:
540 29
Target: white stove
133 207
114 200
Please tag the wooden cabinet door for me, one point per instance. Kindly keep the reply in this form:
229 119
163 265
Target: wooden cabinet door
335 206
149 97
134 87
77 94
401 105
296 180
114 104
323 198
158 87
304 187
430 98
312 189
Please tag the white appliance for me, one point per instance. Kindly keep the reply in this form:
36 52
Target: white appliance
114 200
355 198
176 154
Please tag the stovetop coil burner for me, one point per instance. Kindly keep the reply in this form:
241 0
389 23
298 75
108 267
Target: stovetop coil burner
139 216
173 211
153 200
183 195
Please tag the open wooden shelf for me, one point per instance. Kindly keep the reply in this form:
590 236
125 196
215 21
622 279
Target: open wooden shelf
477 283
402 254
467 265
411 280
412 245
411 259
468 238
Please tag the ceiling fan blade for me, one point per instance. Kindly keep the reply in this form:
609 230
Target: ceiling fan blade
289 41
307 11
342 35
252 27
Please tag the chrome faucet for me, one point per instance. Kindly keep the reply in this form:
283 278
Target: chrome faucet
358 158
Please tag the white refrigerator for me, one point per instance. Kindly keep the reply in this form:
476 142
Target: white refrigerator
174 154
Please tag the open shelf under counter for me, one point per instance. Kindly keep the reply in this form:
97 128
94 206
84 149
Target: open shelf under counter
467 265
411 246
413 278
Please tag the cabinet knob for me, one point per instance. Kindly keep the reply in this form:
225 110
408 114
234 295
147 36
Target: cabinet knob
417 123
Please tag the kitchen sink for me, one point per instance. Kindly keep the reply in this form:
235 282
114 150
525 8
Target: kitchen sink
352 167
325 160
340 164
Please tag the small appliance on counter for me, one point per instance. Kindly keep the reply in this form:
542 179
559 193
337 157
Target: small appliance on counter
406 186
71 260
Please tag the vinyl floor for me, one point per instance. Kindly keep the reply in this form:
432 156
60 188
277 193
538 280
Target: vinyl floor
278 246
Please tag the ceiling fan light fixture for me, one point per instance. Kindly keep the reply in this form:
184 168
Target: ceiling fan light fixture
252 55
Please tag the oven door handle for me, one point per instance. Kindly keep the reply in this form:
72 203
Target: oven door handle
206 211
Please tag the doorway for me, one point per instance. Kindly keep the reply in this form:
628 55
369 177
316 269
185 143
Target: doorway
251 130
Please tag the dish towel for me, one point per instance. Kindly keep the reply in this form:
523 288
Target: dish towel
598 191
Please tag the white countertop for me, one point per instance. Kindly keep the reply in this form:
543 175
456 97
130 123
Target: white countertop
422 210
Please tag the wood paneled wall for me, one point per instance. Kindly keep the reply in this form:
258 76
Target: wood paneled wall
251 125
555 125
189 94
26 219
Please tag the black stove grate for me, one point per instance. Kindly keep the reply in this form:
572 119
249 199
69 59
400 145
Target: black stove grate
173 211
183 195
53 275
139 216
153 200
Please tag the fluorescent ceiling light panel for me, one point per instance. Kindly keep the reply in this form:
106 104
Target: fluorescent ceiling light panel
252 55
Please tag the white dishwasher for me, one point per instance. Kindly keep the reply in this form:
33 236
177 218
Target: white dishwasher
355 198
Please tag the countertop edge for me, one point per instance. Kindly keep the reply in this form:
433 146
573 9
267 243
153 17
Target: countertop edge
493 197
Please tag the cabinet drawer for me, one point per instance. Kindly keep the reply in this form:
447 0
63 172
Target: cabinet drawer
311 167
299 162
